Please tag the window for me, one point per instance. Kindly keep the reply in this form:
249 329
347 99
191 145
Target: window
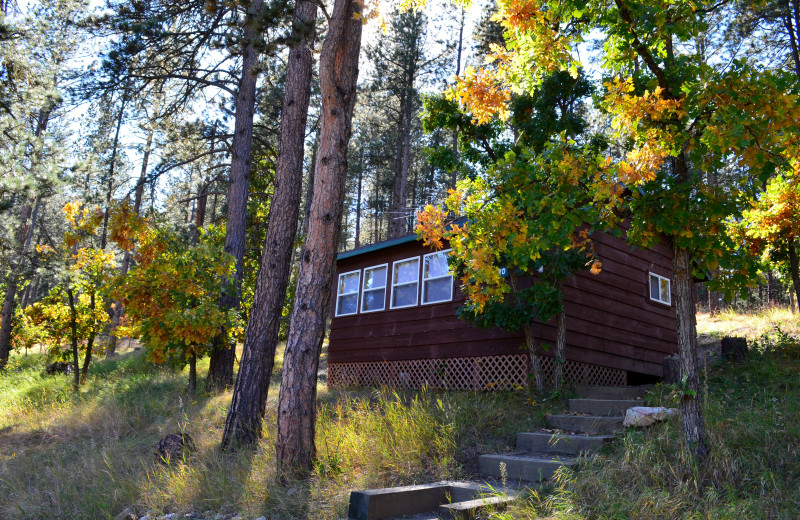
347 293
373 294
437 283
405 282
659 289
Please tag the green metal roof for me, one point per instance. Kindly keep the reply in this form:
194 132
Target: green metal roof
377 246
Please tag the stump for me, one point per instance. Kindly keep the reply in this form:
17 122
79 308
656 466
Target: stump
174 445
672 369
734 348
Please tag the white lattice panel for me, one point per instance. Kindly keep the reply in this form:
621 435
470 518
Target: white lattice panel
473 373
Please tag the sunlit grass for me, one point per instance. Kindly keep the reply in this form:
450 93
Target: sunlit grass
751 324
91 455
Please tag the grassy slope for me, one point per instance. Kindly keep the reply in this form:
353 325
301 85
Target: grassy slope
752 413
90 456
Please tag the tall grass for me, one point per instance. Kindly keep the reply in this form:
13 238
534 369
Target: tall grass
752 416
91 455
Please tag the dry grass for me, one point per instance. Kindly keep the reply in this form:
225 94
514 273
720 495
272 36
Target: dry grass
752 417
748 324
91 455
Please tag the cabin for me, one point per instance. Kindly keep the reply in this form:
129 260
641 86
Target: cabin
394 322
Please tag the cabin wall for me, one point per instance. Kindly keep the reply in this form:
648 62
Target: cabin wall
612 328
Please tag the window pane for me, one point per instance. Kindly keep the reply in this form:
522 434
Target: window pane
435 265
374 300
374 278
406 271
404 295
348 304
665 290
437 290
654 287
348 283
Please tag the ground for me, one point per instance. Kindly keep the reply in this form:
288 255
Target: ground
91 455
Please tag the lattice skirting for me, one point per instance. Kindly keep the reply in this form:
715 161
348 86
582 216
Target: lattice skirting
471 373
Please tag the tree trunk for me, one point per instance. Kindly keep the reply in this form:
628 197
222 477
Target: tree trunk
454 173
24 236
111 347
687 341
794 271
73 325
87 359
297 400
533 353
398 226
243 423
357 243
220 370
561 343
192 373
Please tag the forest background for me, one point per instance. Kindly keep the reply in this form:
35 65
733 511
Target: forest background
184 173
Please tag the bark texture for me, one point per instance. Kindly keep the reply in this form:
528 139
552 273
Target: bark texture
297 400
561 343
794 270
220 370
687 340
533 353
243 423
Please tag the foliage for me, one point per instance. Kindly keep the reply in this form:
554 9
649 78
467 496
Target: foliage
172 294
73 309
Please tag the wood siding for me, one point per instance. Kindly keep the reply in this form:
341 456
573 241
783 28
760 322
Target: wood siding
611 320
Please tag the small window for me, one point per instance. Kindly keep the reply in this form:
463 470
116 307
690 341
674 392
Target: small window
347 293
437 282
373 293
405 283
659 289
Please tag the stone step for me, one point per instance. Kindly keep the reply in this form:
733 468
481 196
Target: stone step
590 424
611 392
567 444
532 467
470 509
604 407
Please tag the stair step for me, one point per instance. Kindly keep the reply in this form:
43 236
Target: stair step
611 392
567 444
469 509
585 424
527 466
605 407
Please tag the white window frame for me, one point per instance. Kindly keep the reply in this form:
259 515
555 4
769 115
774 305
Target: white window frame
422 285
658 277
364 290
339 295
416 281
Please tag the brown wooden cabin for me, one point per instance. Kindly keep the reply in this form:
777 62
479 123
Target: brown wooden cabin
394 322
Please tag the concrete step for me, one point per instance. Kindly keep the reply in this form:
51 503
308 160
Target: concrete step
590 424
566 444
528 466
611 392
470 509
604 407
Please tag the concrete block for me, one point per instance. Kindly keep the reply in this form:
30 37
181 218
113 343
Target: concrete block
611 392
566 444
604 407
469 509
523 466
585 424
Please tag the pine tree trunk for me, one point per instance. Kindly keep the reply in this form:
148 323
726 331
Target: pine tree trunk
687 341
243 423
794 271
220 370
297 400
73 327
192 374
24 236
